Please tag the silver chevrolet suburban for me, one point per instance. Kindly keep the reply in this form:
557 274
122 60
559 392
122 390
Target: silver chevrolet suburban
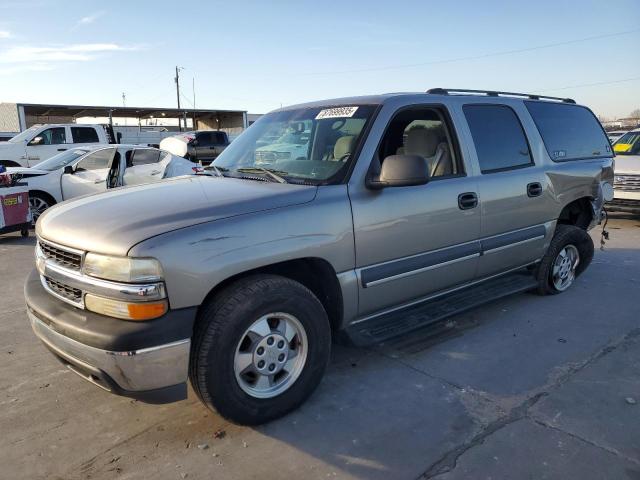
399 210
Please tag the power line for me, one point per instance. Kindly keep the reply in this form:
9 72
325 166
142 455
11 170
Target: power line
476 57
595 84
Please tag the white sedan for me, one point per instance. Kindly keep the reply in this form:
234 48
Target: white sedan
94 169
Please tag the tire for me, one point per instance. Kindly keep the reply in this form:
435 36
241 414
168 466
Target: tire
570 240
221 337
38 204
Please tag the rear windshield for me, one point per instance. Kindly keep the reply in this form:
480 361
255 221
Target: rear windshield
569 132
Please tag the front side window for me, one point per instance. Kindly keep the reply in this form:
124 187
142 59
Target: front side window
84 135
569 132
498 137
97 160
423 132
53 136
308 145
145 156
61 160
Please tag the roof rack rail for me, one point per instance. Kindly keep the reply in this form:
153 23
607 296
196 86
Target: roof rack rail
492 93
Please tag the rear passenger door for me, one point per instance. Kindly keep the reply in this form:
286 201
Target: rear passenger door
515 204
143 167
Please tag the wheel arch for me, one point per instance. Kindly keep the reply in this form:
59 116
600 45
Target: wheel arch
578 212
44 194
317 274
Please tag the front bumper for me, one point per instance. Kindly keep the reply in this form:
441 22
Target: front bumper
154 373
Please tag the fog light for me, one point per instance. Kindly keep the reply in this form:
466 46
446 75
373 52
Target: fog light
125 310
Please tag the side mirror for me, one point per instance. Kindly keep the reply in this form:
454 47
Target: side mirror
36 141
68 169
401 171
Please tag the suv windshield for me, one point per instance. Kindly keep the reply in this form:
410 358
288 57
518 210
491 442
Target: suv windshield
26 135
628 144
309 145
61 160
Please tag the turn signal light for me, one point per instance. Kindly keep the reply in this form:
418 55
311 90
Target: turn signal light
125 310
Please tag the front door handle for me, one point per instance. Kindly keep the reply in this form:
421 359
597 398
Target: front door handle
467 200
534 189
62 149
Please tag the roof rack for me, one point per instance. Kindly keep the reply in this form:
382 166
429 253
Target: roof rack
492 93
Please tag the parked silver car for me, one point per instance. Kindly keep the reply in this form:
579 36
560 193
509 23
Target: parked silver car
404 209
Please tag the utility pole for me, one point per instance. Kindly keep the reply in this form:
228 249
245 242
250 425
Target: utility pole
193 86
124 104
178 94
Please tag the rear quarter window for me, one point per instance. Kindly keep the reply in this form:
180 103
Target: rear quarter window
569 132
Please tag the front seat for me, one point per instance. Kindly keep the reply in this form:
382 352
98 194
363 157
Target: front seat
344 148
426 143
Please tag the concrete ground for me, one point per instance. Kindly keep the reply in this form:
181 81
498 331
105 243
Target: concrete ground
525 387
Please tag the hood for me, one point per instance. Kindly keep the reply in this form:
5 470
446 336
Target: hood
627 164
26 171
114 221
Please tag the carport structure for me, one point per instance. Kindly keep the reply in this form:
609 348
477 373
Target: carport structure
21 116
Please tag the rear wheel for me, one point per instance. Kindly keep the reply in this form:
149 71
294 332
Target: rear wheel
260 349
569 254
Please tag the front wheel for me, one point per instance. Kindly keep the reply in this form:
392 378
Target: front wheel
569 254
38 204
260 348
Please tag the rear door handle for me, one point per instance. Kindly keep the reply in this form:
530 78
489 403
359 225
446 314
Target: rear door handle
62 149
467 200
534 189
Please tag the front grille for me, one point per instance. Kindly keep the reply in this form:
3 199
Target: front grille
70 293
627 183
62 257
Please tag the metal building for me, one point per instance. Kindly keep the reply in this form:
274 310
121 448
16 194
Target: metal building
16 117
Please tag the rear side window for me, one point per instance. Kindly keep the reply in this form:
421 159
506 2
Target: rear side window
84 135
220 138
569 132
145 157
205 139
498 136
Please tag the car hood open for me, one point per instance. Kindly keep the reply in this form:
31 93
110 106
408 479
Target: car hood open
114 221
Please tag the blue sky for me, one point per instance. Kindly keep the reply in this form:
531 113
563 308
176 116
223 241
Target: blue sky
258 55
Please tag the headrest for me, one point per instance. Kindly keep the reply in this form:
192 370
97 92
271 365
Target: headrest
343 146
421 141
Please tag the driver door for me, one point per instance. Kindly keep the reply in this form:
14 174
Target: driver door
89 175
46 144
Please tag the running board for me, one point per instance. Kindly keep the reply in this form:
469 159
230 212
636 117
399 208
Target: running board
385 327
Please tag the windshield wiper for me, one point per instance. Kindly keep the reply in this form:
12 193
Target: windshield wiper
274 174
218 170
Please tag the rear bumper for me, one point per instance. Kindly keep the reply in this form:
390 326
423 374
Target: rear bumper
154 373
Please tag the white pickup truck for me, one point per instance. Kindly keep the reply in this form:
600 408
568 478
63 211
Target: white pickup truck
41 142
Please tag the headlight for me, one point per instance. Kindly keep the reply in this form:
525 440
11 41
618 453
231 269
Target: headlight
122 269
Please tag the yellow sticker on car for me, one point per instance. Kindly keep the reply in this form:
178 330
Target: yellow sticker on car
622 147
10 201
